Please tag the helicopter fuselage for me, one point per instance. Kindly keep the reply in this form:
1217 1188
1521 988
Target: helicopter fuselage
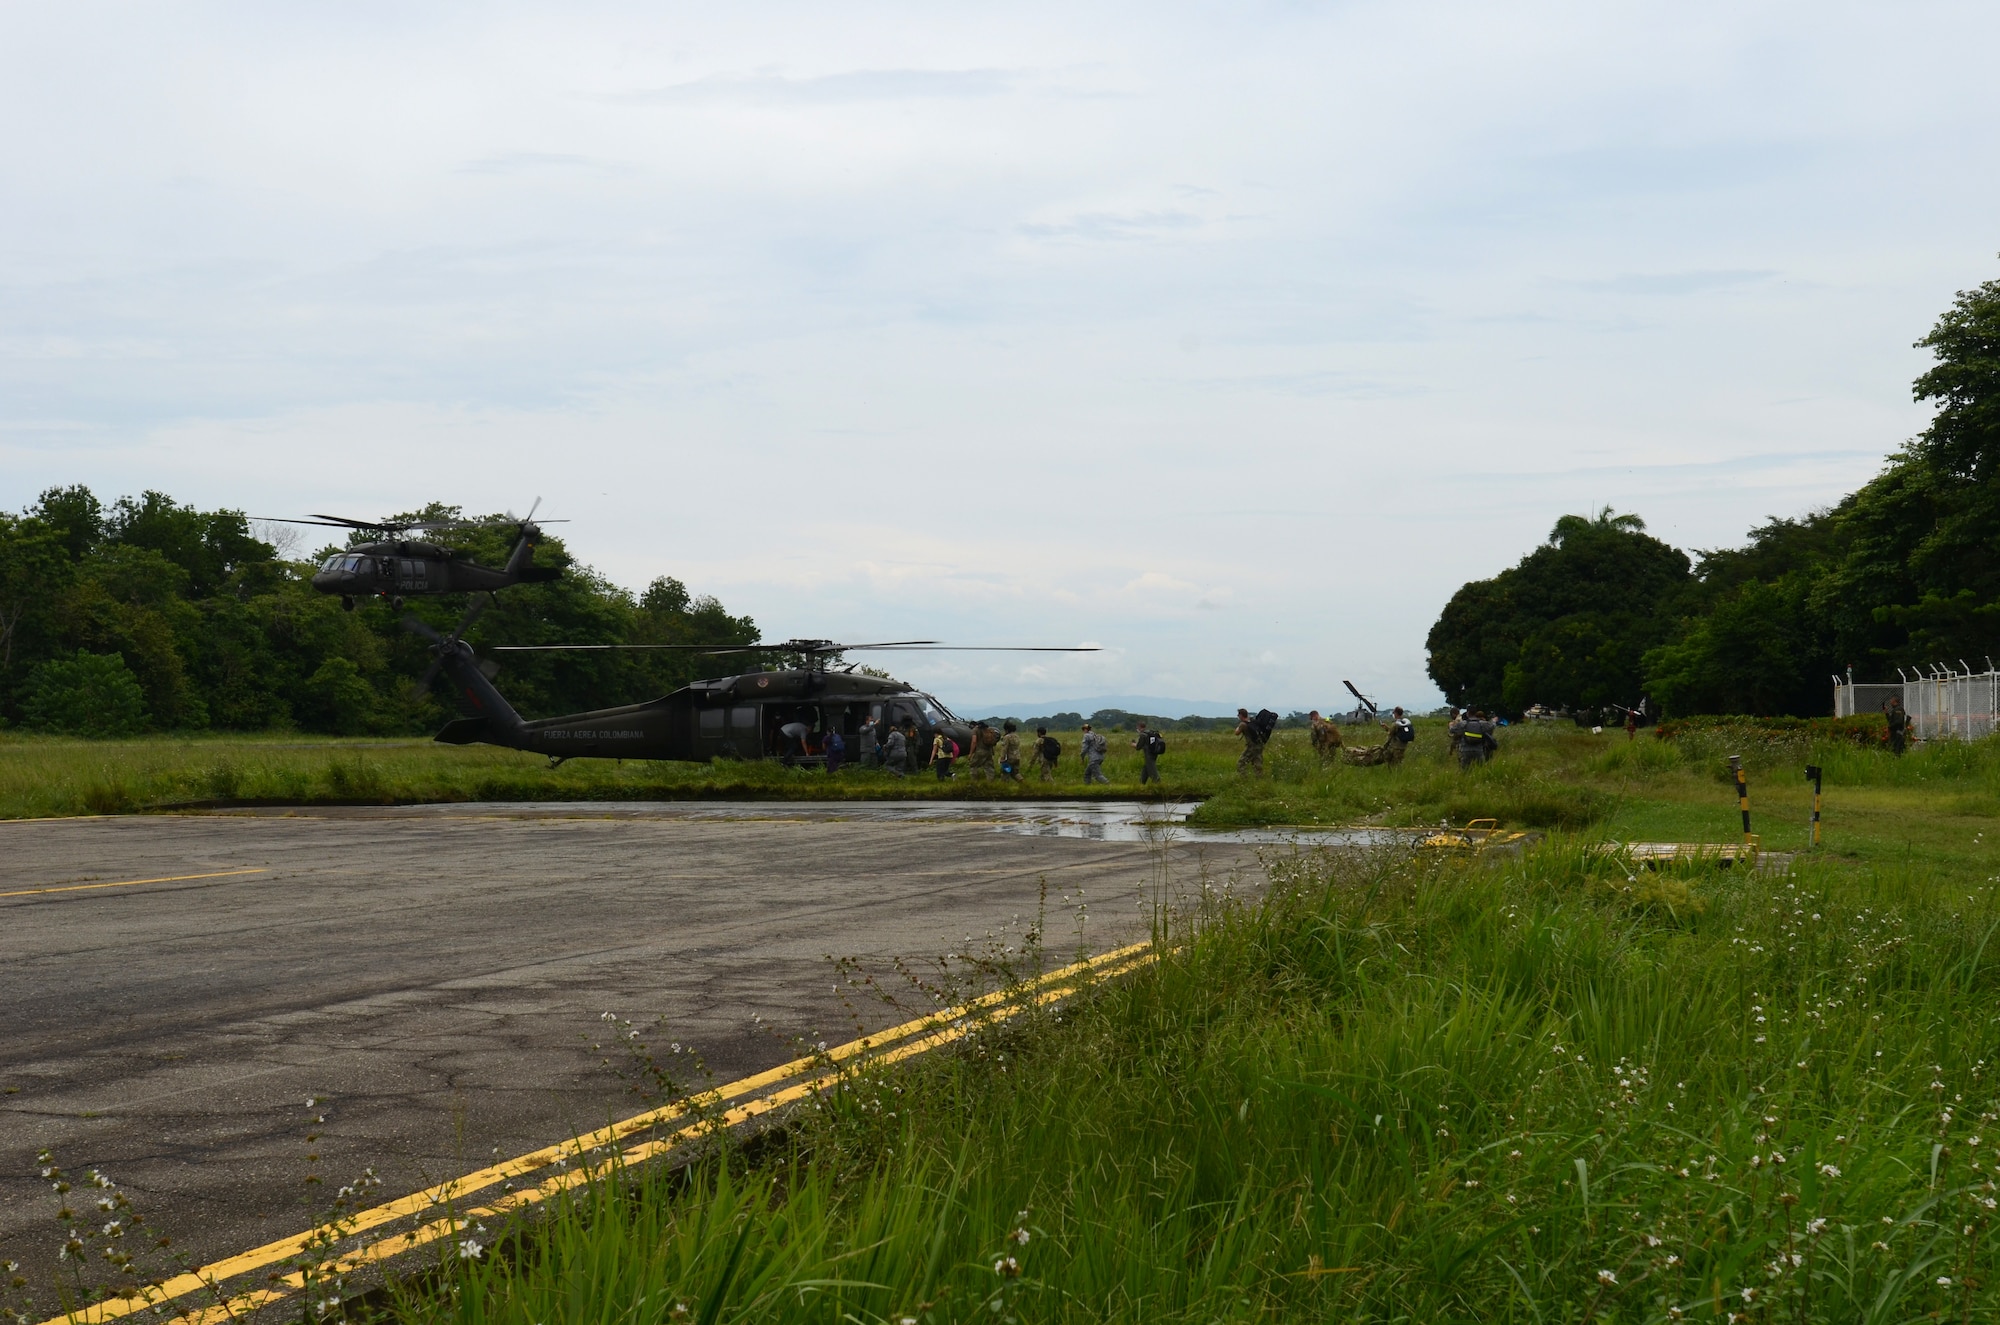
403 568
735 717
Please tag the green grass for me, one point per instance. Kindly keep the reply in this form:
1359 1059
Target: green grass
1554 777
1385 1090
1545 1089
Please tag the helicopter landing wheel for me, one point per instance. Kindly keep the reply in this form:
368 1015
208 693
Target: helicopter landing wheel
396 603
347 602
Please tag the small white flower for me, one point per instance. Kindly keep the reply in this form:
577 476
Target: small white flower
1020 1236
470 1250
1652 1241
1944 1281
1606 1277
1830 1170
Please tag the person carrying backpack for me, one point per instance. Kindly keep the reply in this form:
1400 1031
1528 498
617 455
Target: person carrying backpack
1047 750
1150 745
1093 749
943 751
1401 732
1256 733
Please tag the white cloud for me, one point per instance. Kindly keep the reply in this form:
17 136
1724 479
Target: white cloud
898 321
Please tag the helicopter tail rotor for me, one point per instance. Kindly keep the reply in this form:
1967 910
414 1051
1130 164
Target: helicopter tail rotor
446 646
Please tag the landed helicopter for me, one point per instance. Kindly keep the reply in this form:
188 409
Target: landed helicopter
397 566
780 714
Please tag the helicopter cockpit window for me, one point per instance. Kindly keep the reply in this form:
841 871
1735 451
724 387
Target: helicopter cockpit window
934 712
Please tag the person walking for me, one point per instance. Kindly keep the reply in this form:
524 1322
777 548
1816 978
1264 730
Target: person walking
1150 745
1475 738
1325 736
835 746
1254 736
984 741
1047 750
943 751
1010 752
1899 724
896 753
868 742
1456 733
1401 733
1093 749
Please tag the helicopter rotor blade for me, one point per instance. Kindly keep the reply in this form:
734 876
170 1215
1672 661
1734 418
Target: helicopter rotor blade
1365 702
416 625
331 523
587 648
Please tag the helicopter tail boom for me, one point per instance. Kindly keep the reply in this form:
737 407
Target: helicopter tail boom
485 708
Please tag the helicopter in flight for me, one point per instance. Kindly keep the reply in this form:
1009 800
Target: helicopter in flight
757 714
395 565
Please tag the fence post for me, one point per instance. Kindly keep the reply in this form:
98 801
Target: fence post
1742 794
1813 776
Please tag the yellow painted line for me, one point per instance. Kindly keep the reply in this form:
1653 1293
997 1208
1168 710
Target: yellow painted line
943 1027
129 883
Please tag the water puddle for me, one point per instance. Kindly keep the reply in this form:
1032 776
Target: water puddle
1094 821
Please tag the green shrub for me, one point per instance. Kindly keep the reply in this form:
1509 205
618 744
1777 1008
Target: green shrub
91 694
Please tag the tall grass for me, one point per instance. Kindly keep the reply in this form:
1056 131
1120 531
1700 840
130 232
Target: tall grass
1552 1091
1554 777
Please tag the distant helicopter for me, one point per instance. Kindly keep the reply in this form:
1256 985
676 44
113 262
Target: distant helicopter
398 566
776 714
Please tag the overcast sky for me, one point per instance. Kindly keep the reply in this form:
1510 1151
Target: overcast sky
1232 338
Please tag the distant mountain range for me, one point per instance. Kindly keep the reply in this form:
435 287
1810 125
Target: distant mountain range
1148 705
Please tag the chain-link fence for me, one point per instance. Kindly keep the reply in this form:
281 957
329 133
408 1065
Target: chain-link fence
1942 704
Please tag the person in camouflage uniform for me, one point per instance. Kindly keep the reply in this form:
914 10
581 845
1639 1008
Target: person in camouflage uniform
1252 759
1010 753
1326 740
984 741
1093 748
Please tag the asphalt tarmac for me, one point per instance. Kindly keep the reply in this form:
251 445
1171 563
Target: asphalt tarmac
439 975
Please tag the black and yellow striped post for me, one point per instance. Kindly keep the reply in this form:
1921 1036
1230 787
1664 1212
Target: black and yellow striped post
1742 795
1813 776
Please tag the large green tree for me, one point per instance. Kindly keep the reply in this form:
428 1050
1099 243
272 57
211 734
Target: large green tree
1904 572
1566 626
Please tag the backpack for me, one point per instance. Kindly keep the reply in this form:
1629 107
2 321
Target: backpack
1264 724
1051 749
1404 731
1156 744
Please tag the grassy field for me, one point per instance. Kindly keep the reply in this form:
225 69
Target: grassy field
1386 1089
1557 777
1553 1088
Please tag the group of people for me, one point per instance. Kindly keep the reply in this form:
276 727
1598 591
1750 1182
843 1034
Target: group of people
1004 753
994 752
1398 734
1473 733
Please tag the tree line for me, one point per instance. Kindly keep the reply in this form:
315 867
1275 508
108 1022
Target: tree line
1903 572
151 615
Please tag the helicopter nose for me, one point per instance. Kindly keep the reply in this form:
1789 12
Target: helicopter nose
333 581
